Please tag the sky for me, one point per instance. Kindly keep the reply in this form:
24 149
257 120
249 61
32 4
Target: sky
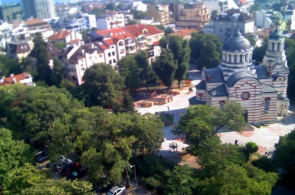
16 1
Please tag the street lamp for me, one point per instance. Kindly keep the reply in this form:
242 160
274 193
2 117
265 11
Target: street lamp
133 166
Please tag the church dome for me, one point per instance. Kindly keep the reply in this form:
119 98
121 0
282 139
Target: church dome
237 43
276 35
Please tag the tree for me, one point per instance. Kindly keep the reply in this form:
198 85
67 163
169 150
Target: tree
214 15
214 156
129 70
163 42
202 121
146 73
165 67
258 52
205 50
284 158
181 52
13 153
102 86
209 61
181 180
236 179
31 111
251 147
39 52
29 180
9 65
110 6
57 73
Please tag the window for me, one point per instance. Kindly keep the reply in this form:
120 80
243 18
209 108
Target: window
266 105
114 61
109 54
245 95
110 61
113 53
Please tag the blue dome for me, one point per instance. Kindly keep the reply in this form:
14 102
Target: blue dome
237 43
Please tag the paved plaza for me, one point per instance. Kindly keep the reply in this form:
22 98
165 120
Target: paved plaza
265 137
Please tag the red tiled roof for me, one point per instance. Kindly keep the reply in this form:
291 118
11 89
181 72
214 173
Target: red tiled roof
109 41
243 1
59 35
34 21
74 41
184 32
102 46
17 48
137 29
16 78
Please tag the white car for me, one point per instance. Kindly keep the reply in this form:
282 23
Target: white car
117 190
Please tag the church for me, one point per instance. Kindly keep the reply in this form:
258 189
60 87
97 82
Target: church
261 90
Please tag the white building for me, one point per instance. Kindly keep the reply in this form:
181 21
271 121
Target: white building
110 21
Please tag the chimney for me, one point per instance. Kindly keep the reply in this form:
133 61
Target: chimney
11 75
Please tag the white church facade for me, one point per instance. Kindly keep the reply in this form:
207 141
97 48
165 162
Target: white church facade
261 90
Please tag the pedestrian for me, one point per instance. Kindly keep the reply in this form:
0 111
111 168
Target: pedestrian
236 142
168 108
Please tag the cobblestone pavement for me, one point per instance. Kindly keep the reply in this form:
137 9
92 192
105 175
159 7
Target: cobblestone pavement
265 137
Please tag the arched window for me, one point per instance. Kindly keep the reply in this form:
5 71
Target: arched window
266 105
221 104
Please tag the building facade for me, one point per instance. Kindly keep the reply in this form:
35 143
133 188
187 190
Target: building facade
112 20
159 13
193 16
11 12
261 90
41 9
228 22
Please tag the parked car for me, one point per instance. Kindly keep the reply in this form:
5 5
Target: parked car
117 190
77 174
40 151
66 170
60 166
42 157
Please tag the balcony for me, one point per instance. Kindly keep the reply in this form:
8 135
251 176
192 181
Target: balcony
141 40
129 42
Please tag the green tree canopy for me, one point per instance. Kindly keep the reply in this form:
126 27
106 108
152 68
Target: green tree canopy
251 147
129 70
235 179
39 52
31 181
13 153
202 121
214 156
102 86
181 180
181 52
284 158
31 111
9 65
165 67
205 50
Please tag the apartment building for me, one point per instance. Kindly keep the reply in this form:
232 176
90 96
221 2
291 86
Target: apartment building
193 16
228 22
159 13
111 20
41 9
